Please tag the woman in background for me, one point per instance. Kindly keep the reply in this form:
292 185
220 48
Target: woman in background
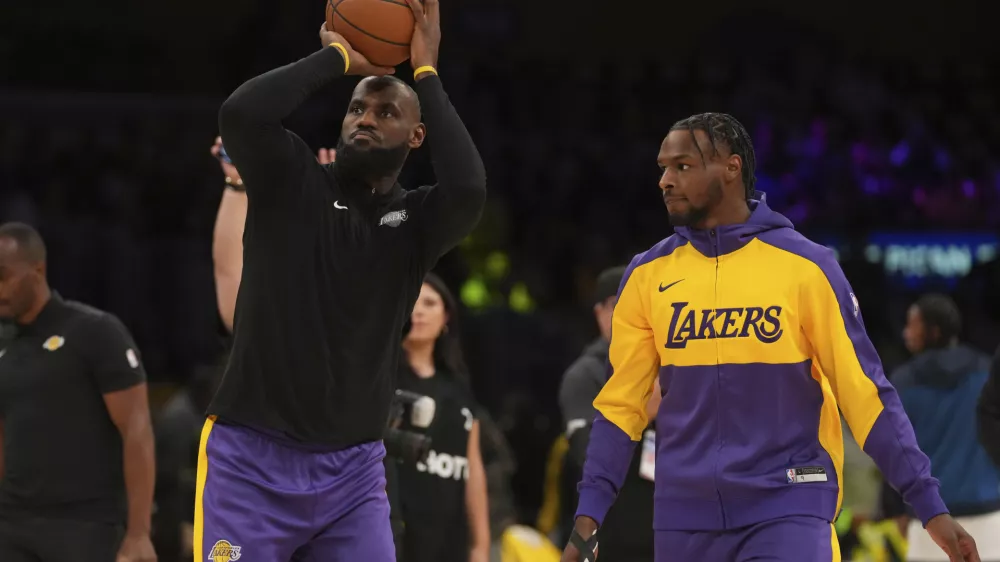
443 499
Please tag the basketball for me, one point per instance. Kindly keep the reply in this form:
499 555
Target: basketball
378 29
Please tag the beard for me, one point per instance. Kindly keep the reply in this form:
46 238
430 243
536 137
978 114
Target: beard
372 163
697 215
689 218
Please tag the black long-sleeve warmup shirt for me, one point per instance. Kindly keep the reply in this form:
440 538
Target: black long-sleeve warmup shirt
331 271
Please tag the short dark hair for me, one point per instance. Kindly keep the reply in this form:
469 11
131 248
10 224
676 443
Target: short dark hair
29 242
607 283
724 128
377 83
380 83
940 311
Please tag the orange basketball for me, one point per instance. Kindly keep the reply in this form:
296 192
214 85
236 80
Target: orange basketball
378 29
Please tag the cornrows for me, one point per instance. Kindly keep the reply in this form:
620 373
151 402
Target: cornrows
724 128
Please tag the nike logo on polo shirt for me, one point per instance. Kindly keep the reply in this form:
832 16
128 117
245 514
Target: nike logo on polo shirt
337 205
662 288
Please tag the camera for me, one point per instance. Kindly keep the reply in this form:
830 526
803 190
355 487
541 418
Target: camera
409 446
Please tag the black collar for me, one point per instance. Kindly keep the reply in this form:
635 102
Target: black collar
363 193
50 317
8 331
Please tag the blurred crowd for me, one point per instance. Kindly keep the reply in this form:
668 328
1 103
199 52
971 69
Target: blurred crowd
124 191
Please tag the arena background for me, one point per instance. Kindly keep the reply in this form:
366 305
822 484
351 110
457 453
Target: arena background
877 126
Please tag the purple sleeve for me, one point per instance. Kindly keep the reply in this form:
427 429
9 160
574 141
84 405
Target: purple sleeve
869 403
893 447
609 455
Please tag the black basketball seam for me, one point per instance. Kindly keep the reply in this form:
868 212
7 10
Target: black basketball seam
334 5
375 37
396 2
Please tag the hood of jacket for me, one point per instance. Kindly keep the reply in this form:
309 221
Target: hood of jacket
943 368
731 237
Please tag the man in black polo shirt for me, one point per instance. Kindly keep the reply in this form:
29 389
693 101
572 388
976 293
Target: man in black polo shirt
77 470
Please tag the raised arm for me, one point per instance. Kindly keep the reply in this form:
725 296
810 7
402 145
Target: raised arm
227 252
269 157
452 207
227 237
227 241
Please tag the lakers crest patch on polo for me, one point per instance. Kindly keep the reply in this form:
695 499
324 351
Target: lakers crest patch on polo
54 343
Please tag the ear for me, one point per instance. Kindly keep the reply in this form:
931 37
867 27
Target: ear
417 136
734 168
933 336
40 269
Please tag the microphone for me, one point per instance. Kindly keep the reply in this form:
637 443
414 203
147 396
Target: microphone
423 412
422 408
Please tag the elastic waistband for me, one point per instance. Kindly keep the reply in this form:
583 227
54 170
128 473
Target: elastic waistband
284 439
674 513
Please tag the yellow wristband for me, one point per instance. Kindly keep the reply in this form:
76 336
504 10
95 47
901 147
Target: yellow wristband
343 51
423 69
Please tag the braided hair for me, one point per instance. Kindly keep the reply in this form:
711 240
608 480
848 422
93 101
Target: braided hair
724 128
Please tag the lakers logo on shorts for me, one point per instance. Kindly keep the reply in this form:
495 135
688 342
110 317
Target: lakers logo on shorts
224 551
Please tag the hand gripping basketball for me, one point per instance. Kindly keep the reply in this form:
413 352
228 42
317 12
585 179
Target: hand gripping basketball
426 33
358 65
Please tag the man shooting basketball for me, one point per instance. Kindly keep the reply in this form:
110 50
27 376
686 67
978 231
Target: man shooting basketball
290 465
758 343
